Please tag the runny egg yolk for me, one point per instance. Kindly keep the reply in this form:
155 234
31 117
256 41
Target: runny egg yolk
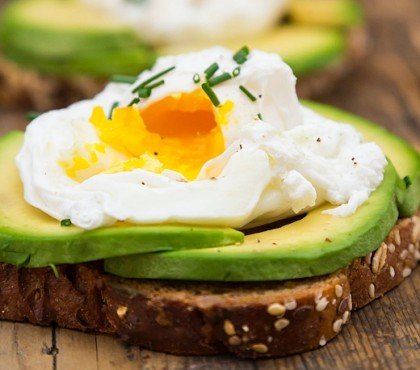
180 132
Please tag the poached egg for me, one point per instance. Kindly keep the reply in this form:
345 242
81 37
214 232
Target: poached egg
236 153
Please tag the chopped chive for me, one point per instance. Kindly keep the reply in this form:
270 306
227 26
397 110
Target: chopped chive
31 115
236 72
66 222
153 78
156 84
211 94
55 271
241 55
248 93
210 71
122 79
219 79
144 92
407 181
134 101
115 105
196 78
259 116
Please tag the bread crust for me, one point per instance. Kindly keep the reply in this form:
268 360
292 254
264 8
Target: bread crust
250 320
29 89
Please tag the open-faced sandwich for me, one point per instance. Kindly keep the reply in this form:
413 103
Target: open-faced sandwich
203 209
55 52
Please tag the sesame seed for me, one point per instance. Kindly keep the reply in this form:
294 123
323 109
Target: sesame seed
368 259
321 304
346 316
334 301
417 255
397 237
234 341
291 305
276 309
392 271
245 328
350 303
269 339
280 324
379 258
372 291
322 341
404 254
121 311
411 248
391 247
406 272
259 348
337 325
338 290
229 328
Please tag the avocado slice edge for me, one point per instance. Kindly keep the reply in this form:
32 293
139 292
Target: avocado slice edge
308 247
31 238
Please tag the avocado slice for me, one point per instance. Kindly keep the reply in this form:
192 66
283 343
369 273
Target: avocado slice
67 37
316 245
31 238
304 48
335 13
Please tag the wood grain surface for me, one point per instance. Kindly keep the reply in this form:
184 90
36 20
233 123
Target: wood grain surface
383 335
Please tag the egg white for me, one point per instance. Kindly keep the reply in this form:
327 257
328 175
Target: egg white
287 163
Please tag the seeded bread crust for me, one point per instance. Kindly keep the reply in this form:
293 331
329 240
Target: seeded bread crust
186 318
23 88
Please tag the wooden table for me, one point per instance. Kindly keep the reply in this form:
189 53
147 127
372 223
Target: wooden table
384 335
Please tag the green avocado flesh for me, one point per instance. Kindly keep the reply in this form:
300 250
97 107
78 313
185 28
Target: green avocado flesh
30 238
69 37
66 37
315 245
336 13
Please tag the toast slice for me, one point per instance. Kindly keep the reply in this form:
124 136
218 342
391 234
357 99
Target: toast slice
186 318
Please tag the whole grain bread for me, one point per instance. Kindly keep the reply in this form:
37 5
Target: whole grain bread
28 89
194 318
